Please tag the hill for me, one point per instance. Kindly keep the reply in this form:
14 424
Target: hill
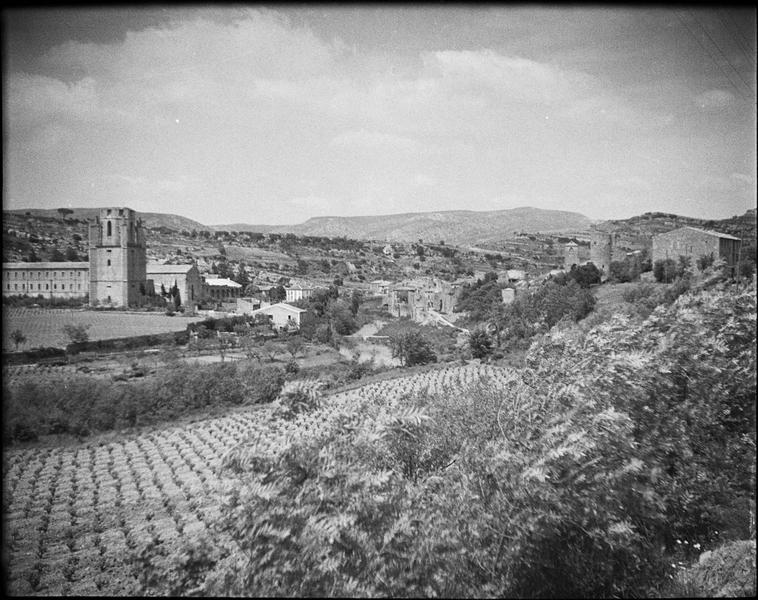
653 223
454 227
149 219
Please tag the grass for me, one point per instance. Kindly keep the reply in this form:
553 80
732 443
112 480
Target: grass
44 327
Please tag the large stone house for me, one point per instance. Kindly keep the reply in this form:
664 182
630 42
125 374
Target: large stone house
221 289
186 277
284 316
48 279
694 243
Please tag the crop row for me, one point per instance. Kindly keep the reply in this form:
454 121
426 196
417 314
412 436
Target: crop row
75 515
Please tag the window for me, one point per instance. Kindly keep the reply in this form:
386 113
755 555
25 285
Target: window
109 228
39 286
63 286
47 286
109 262
55 286
15 286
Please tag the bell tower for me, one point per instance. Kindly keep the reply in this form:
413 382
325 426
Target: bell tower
117 258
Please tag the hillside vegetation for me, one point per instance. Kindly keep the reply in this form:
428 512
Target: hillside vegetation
579 477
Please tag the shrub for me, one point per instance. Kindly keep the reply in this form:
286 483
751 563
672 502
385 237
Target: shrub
480 343
81 405
571 482
412 349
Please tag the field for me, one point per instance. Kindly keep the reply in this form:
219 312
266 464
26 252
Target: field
75 515
44 327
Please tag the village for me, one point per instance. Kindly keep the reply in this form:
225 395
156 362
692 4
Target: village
426 301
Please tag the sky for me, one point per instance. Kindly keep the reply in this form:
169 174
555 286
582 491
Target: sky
263 115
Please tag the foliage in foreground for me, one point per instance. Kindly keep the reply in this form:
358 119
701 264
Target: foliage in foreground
576 482
81 405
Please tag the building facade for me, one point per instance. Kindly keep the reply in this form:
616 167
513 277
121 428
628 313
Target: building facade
117 258
284 316
694 243
570 255
46 279
186 277
221 289
296 292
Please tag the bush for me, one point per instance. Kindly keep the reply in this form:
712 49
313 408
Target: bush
480 344
574 481
81 405
412 349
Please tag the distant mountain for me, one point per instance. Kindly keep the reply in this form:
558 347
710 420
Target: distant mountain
245 227
149 219
454 227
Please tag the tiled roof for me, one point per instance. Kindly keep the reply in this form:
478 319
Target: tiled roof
46 265
222 282
157 268
716 233
283 305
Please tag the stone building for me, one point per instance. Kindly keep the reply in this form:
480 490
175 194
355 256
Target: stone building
117 258
298 292
221 289
284 316
416 298
614 246
186 277
570 255
694 243
48 279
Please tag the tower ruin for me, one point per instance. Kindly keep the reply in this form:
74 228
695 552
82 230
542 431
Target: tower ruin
117 258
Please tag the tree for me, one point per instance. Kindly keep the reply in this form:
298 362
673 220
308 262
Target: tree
71 254
586 275
57 256
341 317
705 261
241 276
18 337
76 333
32 256
665 270
480 343
65 211
412 349
295 345
270 349
164 293
277 294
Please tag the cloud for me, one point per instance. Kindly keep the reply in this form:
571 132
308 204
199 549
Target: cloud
714 100
423 180
375 140
35 99
311 205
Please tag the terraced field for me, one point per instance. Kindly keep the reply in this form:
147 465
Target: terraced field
75 515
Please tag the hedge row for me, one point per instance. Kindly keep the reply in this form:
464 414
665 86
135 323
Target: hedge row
81 405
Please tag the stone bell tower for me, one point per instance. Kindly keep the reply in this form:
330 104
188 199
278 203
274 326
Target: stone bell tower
117 258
